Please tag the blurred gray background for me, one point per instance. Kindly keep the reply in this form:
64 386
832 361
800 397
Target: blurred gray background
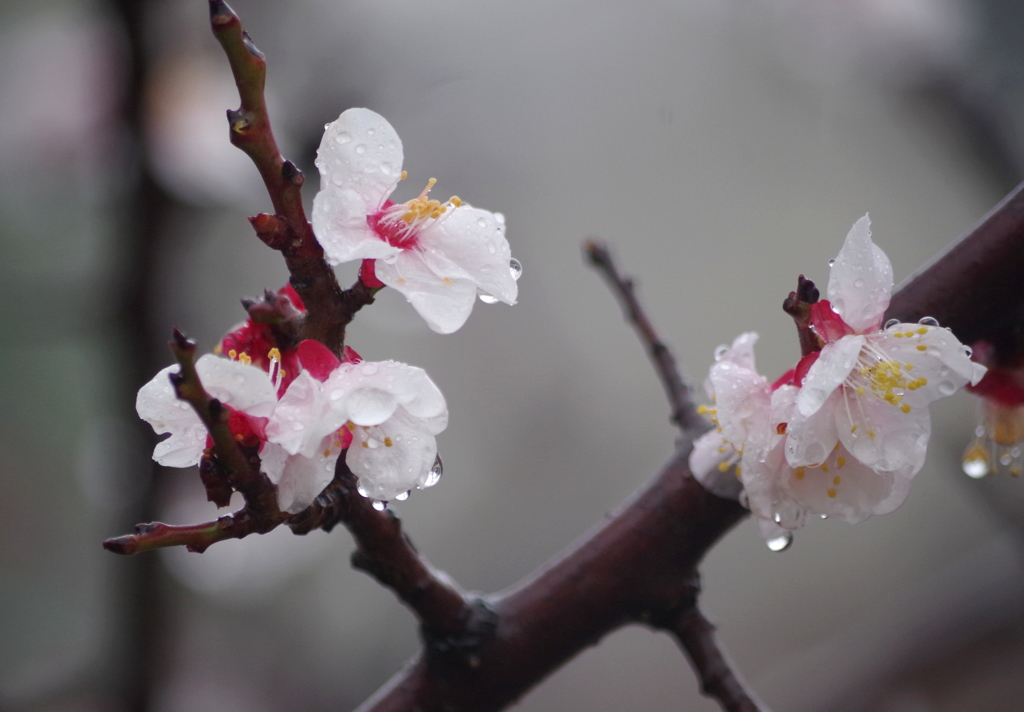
721 146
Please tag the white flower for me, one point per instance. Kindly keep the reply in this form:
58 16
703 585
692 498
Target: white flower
243 387
751 420
386 413
439 255
870 387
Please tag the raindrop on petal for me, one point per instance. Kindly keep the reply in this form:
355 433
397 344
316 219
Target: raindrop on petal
402 497
780 543
362 490
488 299
343 138
720 352
516 268
380 505
831 262
361 149
434 476
891 323
928 321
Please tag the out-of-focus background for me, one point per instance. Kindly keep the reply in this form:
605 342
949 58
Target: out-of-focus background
721 146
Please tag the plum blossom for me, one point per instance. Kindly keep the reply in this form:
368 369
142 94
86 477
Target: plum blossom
243 387
870 386
744 456
842 434
440 256
386 413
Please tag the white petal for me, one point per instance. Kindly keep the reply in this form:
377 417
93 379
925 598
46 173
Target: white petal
853 499
299 479
861 280
943 363
766 495
387 471
473 241
341 227
885 438
445 306
831 369
184 448
704 461
741 352
810 439
361 151
158 405
303 417
243 387
743 403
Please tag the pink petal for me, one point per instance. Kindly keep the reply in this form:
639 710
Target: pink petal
317 359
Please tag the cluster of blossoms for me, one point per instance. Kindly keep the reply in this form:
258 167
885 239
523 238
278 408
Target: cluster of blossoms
844 432
298 406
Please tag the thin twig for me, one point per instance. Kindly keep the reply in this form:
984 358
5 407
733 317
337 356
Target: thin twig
718 677
329 308
684 413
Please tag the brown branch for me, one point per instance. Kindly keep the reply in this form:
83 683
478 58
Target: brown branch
974 285
718 678
798 305
684 414
385 552
329 308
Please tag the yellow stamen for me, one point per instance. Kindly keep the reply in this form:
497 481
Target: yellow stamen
836 480
800 472
218 349
723 466
274 354
824 468
905 407
831 493
840 461
232 354
871 434
387 442
365 444
244 358
922 347
923 330
405 174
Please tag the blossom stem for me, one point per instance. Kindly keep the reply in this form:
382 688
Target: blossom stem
798 305
329 308
684 412
242 473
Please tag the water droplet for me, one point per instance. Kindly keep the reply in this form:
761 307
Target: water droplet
380 505
500 217
744 499
1005 459
858 283
434 476
975 462
516 268
720 352
891 323
337 179
979 431
947 388
488 299
780 543
361 149
298 426
831 262
385 168
402 497
824 516
343 138
369 368
337 394
371 132
362 490
968 351
239 378
480 222
928 321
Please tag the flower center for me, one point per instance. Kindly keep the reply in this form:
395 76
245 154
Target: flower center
884 376
399 224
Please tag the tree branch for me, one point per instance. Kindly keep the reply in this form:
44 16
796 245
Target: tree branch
684 414
329 309
973 286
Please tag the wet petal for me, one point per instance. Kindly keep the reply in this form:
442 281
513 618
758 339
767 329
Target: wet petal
243 387
392 458
842 488
444 305
810 439
361 152
472 241
828 372
861 280
704 460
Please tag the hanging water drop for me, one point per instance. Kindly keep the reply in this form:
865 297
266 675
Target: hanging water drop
891 323
831 262
516 268
968 351
720 352
488 299
975 462
434 476
780 543
380 505
402 497
928 321
362 490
